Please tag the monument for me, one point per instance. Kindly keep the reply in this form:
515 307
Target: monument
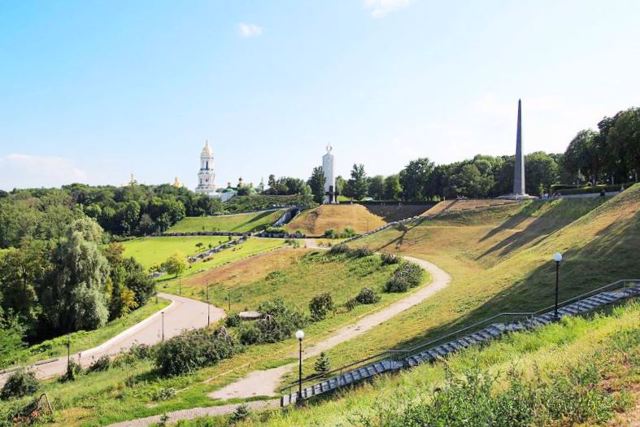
518 172
206 174
330 195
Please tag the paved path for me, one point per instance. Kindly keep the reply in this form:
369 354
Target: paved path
182 313
265 383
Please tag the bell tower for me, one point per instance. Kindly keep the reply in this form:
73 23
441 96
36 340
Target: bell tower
206 174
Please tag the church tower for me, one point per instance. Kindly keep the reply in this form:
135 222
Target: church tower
206 174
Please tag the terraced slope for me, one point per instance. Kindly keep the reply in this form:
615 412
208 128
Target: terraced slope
314 222
239 223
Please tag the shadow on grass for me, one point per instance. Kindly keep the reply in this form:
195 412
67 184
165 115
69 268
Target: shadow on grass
611 256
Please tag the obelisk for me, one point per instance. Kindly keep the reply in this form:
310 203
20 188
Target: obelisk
518 173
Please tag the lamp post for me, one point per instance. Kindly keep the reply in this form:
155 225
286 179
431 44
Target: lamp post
69 355
557 257
300 337
162 313
208 307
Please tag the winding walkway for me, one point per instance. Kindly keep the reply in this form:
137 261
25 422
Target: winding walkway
266 382
182 313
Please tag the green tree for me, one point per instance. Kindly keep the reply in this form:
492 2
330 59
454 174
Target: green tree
356 186
414 178
322 365
392 188
541 171
376 187
316 182
175 264
74 296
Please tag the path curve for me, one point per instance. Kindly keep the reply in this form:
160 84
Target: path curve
183 313
265 383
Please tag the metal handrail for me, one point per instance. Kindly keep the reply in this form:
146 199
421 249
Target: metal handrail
396 353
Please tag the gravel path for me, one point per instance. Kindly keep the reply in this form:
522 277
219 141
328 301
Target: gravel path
182 313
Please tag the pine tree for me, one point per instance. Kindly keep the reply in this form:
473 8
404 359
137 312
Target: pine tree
322 365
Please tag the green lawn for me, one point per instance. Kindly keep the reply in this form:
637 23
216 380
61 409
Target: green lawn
240 223
152 251
84 340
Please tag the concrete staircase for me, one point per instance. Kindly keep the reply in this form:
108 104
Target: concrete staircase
398 360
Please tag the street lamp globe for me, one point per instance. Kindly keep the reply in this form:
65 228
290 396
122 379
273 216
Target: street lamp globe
557 257
300 334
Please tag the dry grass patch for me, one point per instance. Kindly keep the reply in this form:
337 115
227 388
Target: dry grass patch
316 221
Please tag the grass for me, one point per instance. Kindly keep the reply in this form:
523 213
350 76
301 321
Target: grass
610 343
240 223
84 340
315 222
126 393
153 251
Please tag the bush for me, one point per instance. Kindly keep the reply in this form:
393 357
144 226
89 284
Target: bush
322 365
249 334
339 249
163 394
73 370
330 234
367 296
407 275
360 252
232 320
279 323
194 349
19 384
351 304
388 259
320 305
103 363
292 242
240 414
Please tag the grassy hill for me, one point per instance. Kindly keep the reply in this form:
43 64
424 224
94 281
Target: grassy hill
240 223
573 373
314 222
390 213
500 260
150 251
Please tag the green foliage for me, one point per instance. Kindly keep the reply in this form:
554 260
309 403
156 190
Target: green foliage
73 370
192 350
175 265
20 383
163 394
388 259
367 296
232 320
339 249
322 365
103 363
240 414
279 323
316 182
407 275
414 178
320 306
357 186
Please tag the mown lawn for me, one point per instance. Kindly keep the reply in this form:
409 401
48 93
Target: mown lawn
240 223
84 340
153 251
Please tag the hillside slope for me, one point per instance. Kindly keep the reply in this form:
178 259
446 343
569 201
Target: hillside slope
315 222
240 223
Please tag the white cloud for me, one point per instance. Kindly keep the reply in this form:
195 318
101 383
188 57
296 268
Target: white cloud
380 8
24 170
249 30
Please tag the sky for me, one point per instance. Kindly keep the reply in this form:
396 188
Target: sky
91 91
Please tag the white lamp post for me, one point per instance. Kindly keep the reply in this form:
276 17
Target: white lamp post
300 337
557 257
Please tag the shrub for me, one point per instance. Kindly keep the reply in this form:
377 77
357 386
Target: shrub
292 242
165 393
407 275
388 259
320 305
232 320
322 365
194 349
348 232
339 249
278 324
367 296
20 383
330 234
103 363
240 414
249 334
351 304
360 252
73 370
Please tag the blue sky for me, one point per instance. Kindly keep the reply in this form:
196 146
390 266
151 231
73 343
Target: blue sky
91 91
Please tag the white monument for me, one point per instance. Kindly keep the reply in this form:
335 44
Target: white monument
206 174
329 177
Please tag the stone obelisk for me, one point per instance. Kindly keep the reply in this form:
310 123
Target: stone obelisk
518 174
